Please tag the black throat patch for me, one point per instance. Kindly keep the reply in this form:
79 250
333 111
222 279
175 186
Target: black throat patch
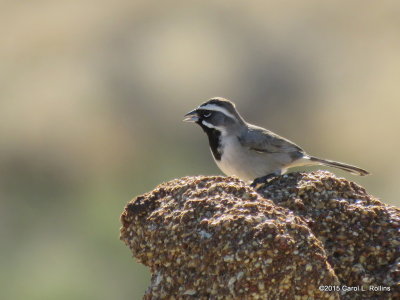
214 140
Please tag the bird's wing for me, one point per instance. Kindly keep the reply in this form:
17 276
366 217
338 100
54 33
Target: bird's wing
265 141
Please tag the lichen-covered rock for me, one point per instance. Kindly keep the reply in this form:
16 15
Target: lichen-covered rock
361 235
216 238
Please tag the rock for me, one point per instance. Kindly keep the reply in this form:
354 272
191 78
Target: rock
360 234
217 238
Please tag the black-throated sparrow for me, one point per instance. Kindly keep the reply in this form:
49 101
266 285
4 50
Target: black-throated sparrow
248 151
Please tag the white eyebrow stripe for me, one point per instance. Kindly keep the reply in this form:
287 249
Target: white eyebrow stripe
217 108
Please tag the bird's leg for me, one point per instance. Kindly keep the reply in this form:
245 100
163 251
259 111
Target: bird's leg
264 179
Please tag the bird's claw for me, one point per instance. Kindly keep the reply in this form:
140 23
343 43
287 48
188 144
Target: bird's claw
258 182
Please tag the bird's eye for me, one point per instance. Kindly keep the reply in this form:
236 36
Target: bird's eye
207 114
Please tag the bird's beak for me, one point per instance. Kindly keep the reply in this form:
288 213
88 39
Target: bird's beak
191 116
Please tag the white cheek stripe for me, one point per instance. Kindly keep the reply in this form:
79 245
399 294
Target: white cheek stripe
209 125
217 108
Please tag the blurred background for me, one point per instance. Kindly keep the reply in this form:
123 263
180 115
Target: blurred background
93 94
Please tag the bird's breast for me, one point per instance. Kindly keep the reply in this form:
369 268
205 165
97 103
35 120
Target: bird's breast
244 163
234 159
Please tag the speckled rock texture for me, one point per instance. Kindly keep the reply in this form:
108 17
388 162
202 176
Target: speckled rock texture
360 234
217 238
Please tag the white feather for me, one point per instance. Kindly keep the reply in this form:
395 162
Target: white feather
219 109
209 125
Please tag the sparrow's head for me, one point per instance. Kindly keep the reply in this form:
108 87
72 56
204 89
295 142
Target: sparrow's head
217 113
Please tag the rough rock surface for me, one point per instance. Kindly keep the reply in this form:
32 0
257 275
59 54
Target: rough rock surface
216 238
361 235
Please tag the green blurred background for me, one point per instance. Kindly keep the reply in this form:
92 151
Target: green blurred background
92 97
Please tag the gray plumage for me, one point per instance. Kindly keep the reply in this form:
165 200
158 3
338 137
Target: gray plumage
249 151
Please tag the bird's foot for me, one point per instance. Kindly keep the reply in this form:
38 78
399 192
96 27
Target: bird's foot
258 182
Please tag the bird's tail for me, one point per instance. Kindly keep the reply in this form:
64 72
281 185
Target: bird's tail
349 168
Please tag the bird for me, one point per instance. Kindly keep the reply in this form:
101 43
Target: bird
250 152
